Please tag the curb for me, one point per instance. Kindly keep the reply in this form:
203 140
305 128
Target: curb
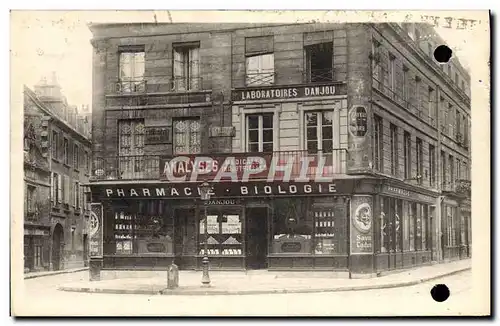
26 277
254 292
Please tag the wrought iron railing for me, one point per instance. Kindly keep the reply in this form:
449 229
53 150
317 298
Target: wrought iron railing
260 79
149 167
403 101
319 75
157 84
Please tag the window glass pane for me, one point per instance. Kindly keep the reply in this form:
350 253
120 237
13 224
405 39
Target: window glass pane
267 147
267 121
311 119
253 135
327 118
327 133
327 146
312 147
253 122
312 133
253 147
267 135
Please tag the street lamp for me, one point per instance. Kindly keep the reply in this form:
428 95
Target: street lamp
204 190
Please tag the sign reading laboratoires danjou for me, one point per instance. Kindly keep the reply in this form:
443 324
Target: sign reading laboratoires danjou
96 230
361 225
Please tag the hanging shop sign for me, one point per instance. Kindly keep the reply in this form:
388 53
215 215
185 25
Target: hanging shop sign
278 93
241 167
96 230
221 190
361 225
359 148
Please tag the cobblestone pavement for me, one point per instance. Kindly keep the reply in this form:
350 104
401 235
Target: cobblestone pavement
41 297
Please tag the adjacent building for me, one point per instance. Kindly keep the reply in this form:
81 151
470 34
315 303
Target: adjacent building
56 164
326 146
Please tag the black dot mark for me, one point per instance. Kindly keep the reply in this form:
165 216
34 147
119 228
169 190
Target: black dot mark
442 54
440 292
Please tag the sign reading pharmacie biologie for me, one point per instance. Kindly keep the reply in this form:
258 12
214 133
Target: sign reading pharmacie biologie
290 92
222 190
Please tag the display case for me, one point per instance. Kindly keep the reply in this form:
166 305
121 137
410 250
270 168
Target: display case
148 231
325 241
224 237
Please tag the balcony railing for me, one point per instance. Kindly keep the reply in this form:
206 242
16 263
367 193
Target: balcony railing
319 75
151 167
402 101
157 84
460 186
260 79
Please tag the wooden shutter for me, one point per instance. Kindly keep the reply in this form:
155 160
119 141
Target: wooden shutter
52 189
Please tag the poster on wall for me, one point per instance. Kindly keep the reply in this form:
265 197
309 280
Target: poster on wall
95 230
358 138
361 225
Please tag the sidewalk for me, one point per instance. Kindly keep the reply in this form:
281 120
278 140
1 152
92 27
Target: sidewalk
49 273
259 282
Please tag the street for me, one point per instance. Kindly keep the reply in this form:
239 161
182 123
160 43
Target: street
41 297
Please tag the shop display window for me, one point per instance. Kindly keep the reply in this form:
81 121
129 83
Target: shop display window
329 230
143 229
292 227
411 237
225 232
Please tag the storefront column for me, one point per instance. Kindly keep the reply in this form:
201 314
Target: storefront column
361 257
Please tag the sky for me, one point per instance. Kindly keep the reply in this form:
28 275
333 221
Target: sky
43 42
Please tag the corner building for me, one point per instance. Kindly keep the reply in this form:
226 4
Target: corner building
322 143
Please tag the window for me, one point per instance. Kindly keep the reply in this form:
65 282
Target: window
398 213
224 230
55 145
187 67
450 120
405 86
87 162
187 136
394 150
376 66
76 156
458 120
412 225
260 134
418 102
260 70
456 79
425 226
420 160
259 53
378 142
30 200
432 165
449 69
132 68
66 151
319 132
463 85
131 148
141 227
407 154
443 170
76 197
458 173
430 50
451 162
418 226
417 35
392 72
406 226
432 107
319 62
